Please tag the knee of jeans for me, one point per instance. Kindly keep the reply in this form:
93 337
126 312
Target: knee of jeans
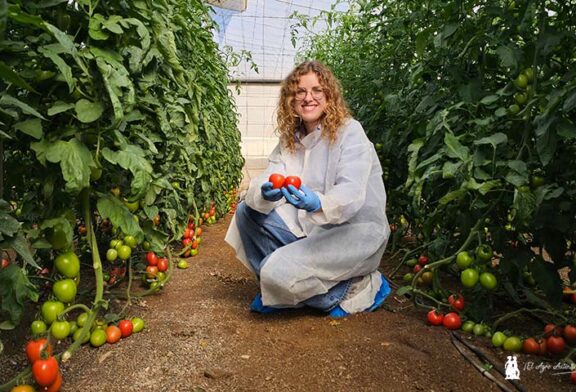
242 211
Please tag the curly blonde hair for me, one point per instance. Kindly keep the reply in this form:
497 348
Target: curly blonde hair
336 112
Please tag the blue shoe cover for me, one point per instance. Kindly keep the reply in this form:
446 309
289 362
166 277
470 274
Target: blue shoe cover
257 306
381 295
338 312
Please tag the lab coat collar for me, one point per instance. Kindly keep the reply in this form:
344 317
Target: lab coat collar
310 140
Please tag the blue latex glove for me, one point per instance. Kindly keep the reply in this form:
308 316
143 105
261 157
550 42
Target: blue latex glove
270 194
304 198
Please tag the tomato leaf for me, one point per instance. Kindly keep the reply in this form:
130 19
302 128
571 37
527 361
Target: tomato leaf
75 161
50 52
9 75
31 127
88 111
404 290
8 100
15 291
9 225
455 148
60 107
112 208
494 140
548 280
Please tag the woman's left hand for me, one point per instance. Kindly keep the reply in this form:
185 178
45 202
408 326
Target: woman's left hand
304 198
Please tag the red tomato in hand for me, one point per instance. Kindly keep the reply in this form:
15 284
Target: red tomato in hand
126 328
45 371
457 301
435 318
293 180
277 180
34 349
452 321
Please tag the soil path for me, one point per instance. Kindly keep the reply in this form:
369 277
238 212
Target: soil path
200 336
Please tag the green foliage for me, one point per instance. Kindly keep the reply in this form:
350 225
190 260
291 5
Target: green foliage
434 83
94 96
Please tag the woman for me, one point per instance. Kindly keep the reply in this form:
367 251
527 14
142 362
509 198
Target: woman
319 246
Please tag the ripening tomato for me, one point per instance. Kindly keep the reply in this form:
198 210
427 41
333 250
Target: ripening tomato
435 318
34 349
293 180
457 301
151 271
277 180
163 264
45 371
126 327
23 388
452 321
113 334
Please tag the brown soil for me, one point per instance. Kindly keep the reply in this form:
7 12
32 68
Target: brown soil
200 336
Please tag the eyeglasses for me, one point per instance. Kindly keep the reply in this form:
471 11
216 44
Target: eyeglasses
316 92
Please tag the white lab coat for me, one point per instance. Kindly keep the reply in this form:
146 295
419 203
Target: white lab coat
345 239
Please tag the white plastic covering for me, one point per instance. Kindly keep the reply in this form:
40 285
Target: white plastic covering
264 29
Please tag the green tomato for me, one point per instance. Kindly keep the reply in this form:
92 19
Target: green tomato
130 241
58 239
514 109
411 262
537 181
38 327
521 81
146 245
479 329
137 324
182 264
65 290
498 339
114 243
50 310
73 327
520 98
408 277
484 253
81 319
67 264
132 205
464 260
95 173
529 73
60 329
76 335
98 337
488 280
469 277
513 343
124 252
468 326
111 254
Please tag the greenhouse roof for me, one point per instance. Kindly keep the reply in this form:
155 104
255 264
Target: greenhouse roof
264 29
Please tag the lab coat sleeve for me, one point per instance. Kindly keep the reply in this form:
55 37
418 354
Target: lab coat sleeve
348 195
254 197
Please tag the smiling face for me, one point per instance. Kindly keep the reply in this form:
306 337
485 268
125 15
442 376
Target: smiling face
310 101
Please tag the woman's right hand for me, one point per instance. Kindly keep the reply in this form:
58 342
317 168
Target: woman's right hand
269 193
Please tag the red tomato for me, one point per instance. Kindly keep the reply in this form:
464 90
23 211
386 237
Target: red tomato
34 349
531 346
126 327
45 371
113 334
151 271
457 301
555 344
570 333
5 263
185 242
423 260
573 377
187 233
417 268
56 385
552 329
277 180
151 258
162 264
452 321
293 180
435 318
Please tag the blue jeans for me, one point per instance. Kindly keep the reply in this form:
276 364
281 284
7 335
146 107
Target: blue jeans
262 234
